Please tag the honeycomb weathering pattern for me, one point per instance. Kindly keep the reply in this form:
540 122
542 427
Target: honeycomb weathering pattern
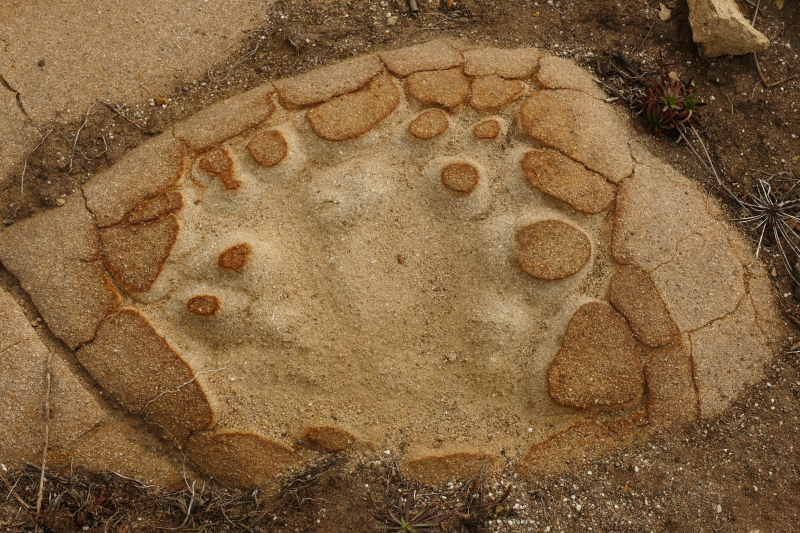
330 256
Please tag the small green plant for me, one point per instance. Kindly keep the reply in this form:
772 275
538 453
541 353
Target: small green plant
667 104
423 521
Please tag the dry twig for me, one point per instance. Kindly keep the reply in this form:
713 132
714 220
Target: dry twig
77 135
46 435
25 166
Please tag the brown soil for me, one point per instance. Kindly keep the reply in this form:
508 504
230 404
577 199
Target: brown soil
745 461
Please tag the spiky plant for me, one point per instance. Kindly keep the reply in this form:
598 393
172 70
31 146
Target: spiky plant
666 104
404 521
769 214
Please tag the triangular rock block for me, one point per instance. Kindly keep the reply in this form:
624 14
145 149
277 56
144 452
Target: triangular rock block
719 29
371 250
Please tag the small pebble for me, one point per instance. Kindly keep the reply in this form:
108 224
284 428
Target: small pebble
60 202
719 508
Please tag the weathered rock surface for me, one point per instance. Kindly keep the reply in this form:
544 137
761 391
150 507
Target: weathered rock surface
291 256
560 177
552 250
585 130
719 28
597 364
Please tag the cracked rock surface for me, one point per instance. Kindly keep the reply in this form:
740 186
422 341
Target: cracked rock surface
312 260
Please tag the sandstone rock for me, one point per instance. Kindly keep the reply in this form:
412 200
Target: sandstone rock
559 73
268 148
509 64
492 92
120 189
719 29
140 369
434 55
635 295
671 395
429 124
337 269
488 129
325 83
227 119
582 442
240 459
584 129
597 364
56 258
355 114
552 250
560 177
446 88
331 439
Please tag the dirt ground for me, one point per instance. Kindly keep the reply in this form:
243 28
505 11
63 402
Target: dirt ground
739 472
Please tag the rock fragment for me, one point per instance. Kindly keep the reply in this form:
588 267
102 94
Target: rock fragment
635 295
331 439
438 54
240 459
235 258
268 148
488 129
143 372
492 92
671 395
509 64
580 442
461 178
584 129
56 258
560 177
135 254
551 250
227 119
719 29
445 88
158 207
597 364
559 73
120 189
438 469
203 305
354 114
322 84
429 124
218 162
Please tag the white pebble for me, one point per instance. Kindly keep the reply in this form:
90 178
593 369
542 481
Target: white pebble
719 508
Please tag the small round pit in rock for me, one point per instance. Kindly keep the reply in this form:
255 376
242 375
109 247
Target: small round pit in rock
552 250
461 178
268 148
235 258
429 124
488 129
203 305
